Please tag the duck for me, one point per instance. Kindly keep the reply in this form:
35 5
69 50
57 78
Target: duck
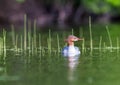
70 49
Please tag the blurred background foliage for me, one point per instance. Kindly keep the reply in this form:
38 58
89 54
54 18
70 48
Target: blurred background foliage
102 6
60 13
20 1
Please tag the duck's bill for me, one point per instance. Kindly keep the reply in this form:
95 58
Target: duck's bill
80 39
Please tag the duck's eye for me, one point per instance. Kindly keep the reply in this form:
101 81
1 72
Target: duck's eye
75 39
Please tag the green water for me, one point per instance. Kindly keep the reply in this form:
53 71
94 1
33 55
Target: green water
96 67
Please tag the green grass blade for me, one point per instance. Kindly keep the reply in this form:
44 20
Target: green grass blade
100 44
58 43
91 40
25 32
110 40
13 35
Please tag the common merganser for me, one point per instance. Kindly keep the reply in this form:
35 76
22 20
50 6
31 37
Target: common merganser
70 49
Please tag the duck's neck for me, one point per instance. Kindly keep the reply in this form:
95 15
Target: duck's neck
70 43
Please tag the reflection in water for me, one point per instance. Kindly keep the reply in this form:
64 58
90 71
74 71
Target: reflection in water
72 64
9 78
6 77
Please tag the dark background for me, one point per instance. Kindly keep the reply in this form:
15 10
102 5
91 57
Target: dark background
58 13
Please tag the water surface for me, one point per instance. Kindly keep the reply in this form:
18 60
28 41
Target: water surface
95 69
99 66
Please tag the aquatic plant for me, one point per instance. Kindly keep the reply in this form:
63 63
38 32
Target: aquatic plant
4 43
58 43
33 45
91 40
25 33
31 42
117 45
110 40
100 44
1 45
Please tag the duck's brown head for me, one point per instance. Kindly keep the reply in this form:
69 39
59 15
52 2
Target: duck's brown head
71 38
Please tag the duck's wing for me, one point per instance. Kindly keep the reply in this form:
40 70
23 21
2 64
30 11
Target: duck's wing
77 50
65 49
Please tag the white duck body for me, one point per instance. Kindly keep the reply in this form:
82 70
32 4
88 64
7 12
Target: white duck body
70 51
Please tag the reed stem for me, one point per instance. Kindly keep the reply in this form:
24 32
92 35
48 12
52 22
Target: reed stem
100 44
4 44
49 41
32 47
25 32
91 40
21 46
49 46
117 45
29 35
58 43
83 46
16 43
40 47
13 36
110 40
34 36
104 44
1 45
